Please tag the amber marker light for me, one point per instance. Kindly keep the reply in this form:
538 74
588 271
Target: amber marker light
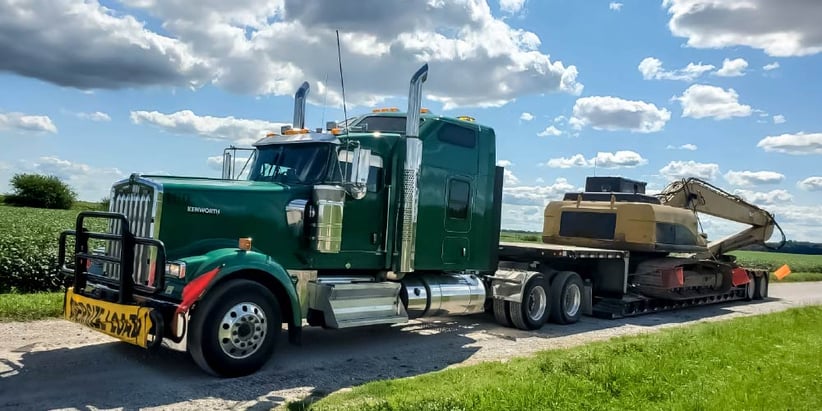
245 243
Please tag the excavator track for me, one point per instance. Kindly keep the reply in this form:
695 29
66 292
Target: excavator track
633 305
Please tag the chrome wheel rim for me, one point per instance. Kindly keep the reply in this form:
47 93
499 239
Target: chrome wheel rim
537 302
242 330
573 298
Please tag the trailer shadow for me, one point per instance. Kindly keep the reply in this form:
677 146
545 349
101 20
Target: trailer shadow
115 375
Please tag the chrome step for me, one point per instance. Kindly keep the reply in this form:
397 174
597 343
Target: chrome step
357 304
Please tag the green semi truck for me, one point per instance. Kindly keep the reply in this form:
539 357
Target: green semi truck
388 217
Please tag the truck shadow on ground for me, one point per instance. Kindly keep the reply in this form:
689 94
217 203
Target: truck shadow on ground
115 375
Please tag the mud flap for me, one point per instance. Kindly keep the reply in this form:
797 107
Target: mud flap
739 276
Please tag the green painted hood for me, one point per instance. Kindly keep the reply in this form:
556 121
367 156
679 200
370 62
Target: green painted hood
198 215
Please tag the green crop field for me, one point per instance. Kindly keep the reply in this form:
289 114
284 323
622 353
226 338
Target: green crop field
28 246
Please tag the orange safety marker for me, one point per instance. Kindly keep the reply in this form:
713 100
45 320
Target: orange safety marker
782 272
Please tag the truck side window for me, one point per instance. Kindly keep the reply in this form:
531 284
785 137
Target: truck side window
459 197
460 136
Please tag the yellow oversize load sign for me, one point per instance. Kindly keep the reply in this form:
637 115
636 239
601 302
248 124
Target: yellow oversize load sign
129 323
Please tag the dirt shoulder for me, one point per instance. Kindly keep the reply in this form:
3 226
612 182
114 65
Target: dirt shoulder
54 364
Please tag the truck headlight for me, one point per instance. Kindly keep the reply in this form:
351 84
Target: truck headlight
176 269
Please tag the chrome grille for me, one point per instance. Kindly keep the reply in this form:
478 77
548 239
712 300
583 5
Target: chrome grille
139 202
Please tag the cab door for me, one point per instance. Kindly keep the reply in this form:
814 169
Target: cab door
364 220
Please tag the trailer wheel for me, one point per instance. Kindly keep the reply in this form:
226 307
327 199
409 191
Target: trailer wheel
502 312
234 330
533 311
566 304
761 288
750 288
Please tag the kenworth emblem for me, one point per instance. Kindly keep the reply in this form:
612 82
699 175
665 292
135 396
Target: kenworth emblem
203 210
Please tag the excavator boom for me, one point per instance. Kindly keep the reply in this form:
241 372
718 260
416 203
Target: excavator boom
700 196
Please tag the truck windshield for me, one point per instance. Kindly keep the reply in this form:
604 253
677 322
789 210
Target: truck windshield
303 163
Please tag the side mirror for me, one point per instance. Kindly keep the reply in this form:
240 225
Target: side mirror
357 179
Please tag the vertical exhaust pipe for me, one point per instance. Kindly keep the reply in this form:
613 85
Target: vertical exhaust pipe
411 171
299 106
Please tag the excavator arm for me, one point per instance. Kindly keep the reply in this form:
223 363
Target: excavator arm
700 196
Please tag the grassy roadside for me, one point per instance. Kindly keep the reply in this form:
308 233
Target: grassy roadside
760 362
27 307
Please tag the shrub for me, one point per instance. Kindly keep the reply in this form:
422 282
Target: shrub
40 191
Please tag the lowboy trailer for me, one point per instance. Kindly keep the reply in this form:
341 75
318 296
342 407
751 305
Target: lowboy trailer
391 217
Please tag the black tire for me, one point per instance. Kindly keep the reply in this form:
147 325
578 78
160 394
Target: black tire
502 312
238 303
534 309
761 289
566 298
750 288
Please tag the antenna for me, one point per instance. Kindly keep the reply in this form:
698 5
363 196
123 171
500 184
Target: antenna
342 83
325 98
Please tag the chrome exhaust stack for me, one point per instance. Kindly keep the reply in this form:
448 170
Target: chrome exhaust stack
413 162
299 106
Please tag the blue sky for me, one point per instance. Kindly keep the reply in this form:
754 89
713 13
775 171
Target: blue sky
653 90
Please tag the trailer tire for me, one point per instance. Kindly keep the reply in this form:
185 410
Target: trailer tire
502 312
533 311
761 288
234 330
750 288
567 295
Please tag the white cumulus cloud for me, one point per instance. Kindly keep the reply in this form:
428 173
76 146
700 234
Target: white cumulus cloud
651 69
26 122
688 146
237 130
269 47
98 116
91 183
753 178
771 66
779 28
526 116
690 168
798 144
536 195
811 184
550 131
732 68
619 159
615 6
778 119
511 6
613 113
700 101
769 197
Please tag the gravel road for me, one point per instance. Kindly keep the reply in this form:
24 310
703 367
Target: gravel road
55 364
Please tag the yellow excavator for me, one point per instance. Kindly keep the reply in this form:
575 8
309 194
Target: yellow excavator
671 258
615 213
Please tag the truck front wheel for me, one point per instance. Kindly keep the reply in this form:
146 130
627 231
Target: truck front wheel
235 328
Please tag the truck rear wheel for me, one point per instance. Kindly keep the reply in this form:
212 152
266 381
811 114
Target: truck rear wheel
533 311
566 301
502 312
235 328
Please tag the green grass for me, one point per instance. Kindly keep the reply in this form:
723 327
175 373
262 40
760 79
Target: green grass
763 362
27 307
803 263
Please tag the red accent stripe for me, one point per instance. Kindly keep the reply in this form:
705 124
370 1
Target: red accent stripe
195 289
